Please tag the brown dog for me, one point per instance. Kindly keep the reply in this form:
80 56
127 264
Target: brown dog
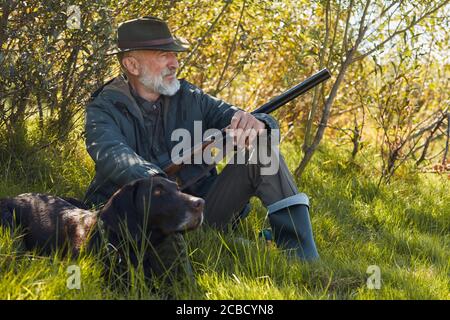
150 208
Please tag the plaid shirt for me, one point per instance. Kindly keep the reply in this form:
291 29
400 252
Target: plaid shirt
154 124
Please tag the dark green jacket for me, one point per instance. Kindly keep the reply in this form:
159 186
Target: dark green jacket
117 140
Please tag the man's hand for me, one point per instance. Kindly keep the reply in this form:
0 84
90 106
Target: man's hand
244 128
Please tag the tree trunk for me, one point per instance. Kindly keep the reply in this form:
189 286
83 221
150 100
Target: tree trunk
325 116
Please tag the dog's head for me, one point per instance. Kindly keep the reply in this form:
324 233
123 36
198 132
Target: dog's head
154 206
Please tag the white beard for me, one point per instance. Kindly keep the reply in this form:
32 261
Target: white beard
156 83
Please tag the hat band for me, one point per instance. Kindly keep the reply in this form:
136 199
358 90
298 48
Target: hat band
135 44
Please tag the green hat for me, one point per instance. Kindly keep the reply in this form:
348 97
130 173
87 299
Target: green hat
146 33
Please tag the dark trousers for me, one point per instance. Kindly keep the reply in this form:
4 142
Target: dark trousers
237 183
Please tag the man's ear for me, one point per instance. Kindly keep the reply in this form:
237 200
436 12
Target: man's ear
131 64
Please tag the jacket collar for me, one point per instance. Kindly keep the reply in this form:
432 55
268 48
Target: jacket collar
121 94
121 86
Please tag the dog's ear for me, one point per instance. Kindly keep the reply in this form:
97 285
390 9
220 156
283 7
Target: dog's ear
142 199
119 214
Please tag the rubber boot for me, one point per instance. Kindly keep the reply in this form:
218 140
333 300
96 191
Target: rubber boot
291 227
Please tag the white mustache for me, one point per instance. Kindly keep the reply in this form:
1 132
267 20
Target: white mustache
168 72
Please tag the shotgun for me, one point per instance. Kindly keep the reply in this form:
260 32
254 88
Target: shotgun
171 168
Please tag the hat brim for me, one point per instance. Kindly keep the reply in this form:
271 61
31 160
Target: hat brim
176 46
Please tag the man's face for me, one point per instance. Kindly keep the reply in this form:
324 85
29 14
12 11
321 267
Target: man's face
156 70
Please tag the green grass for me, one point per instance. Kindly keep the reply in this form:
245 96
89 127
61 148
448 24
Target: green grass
402 227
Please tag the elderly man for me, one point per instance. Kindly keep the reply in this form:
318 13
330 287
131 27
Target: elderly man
129 122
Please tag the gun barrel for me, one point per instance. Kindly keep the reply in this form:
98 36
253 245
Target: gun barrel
294 92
